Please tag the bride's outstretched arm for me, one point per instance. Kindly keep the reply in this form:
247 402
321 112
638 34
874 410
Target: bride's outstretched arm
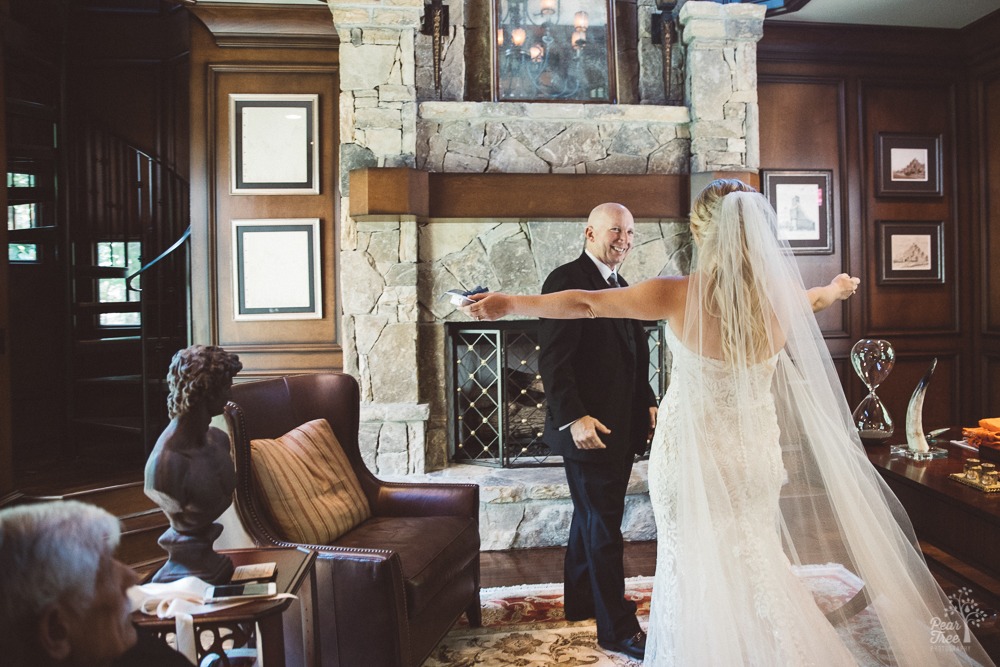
653 299
842 287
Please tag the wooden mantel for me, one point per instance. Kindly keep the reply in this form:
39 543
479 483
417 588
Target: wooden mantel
393 191
380 193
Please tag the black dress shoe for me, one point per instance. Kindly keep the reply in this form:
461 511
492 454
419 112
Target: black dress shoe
633 647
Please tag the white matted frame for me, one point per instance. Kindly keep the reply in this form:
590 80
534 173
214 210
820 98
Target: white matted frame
276 269
274 144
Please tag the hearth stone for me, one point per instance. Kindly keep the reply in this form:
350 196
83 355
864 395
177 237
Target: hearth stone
520 508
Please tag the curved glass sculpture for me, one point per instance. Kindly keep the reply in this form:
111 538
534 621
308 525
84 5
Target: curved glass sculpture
873 360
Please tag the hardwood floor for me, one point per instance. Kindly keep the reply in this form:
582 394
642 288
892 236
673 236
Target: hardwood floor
545 565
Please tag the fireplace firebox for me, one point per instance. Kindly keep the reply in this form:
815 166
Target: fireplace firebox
496 401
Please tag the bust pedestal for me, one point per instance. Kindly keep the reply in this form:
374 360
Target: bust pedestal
192 555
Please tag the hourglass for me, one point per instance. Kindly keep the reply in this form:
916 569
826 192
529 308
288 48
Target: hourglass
872 360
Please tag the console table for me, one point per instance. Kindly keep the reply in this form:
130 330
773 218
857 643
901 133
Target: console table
260 620
959 520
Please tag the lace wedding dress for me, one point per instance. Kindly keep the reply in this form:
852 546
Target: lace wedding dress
756 473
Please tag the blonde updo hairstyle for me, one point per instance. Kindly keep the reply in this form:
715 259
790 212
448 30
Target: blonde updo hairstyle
707 202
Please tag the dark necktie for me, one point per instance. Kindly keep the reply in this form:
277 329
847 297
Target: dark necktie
613 280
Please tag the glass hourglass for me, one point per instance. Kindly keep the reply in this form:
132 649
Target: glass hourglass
872 360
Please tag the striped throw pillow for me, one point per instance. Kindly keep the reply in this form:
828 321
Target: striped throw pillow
308 484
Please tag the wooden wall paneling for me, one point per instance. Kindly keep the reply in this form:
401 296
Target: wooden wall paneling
123 70
990 177
6 448
269 26
281 342
862 48
277 63
987 245
135 87
991 387
940 405
802 127
898 80
923 109
36 292
981 43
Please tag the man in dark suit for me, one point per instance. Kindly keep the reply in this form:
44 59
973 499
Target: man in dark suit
601 412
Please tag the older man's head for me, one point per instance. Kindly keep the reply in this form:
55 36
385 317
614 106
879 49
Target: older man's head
62 594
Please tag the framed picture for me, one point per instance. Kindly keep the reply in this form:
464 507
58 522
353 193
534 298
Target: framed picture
802 201
274 144
276 270
908 165
910 252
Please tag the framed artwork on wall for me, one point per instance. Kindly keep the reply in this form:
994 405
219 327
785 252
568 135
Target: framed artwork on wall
274 147
910 252
801 200
276 269
908 165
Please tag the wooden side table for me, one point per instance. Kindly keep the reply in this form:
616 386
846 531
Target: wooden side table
259 623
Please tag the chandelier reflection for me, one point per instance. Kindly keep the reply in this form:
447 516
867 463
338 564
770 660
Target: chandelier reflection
553 50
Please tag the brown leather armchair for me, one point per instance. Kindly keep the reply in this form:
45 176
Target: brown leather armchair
390 588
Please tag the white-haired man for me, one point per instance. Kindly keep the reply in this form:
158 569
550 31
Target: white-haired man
63 595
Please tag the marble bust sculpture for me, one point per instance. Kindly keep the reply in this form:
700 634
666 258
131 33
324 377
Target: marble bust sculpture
190 472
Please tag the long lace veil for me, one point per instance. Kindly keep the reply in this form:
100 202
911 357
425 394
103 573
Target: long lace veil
752 339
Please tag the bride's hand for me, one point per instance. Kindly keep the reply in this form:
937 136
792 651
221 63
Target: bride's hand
845 285
489 306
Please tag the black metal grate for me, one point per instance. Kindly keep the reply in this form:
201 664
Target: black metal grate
496 399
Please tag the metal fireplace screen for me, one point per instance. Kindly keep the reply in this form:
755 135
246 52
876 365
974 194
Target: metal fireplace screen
496 400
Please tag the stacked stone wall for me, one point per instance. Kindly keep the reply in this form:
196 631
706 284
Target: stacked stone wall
391 272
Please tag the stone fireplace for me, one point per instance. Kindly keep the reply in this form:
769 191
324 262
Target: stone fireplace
394 266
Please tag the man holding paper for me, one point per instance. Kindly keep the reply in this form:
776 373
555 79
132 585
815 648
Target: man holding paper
601 412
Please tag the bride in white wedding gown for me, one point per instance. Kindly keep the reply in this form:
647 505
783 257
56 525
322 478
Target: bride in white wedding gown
756 471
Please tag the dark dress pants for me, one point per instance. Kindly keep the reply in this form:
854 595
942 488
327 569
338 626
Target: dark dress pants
594 570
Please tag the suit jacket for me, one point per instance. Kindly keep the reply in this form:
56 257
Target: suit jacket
597 367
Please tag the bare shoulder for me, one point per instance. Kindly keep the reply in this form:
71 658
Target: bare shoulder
657 298
673 293
668 287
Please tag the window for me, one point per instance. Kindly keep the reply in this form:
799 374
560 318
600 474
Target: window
30 199
15 180
22 186
125 255
22 216
22 252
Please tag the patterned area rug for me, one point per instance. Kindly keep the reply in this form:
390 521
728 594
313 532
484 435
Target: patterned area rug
524 626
